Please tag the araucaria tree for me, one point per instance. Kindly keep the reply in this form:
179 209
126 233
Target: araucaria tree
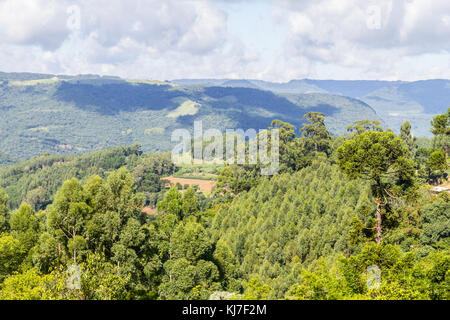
440 127
381 158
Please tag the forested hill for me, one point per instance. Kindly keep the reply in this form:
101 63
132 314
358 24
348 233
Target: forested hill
36 180
62 114
393 101
345 217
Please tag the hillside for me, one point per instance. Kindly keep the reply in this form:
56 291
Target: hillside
393 101
37 179
300 235
339 208
62 114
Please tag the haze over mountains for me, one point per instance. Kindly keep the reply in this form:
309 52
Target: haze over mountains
393 101
76 114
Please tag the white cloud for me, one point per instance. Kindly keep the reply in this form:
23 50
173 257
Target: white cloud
342 39
129 38
32 22
367 37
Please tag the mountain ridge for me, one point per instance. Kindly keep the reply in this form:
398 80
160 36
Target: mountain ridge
76 114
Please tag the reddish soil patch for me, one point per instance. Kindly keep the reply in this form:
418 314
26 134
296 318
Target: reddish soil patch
446 185
203 185
149 211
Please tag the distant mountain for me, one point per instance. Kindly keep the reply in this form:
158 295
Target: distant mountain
293 86
351 88
64 114
393 101
5 159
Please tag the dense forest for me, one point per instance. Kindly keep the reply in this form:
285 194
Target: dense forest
352 216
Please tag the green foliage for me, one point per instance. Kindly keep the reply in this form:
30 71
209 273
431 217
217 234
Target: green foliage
36 180
291 216
228 266
172 203
4 212
431 164
373 155
437 160
189 241
232 180
440 127
67 217
11 255
361 126
183 280
315 134
100 280
322 283
406 135
148 170
254 290
31 285
24 225
403 276
381 158
304 233
436 222
190 205
441 123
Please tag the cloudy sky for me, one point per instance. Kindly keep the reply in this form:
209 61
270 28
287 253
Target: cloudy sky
275 40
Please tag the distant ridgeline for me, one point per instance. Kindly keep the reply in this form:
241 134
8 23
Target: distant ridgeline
60 114
393 101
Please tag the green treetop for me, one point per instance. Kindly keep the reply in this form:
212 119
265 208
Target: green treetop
4 212
361 126
379 157
315 134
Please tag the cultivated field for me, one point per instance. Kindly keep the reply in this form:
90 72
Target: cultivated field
203 185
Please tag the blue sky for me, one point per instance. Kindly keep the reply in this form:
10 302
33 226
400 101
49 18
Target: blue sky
275 40
253 23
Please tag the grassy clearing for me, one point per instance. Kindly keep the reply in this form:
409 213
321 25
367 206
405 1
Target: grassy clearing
188 107
34 82
200 171
152 82
196 177
154 130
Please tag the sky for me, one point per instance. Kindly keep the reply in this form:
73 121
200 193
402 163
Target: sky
273 40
